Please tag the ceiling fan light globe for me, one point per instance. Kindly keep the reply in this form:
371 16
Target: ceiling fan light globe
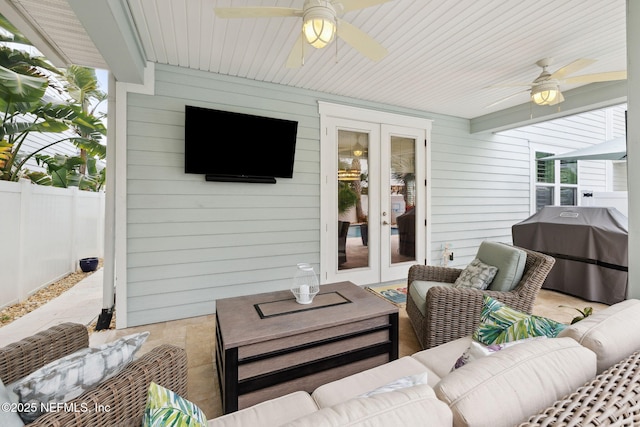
545 94
319 32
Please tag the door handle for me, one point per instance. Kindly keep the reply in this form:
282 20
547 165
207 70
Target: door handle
385 223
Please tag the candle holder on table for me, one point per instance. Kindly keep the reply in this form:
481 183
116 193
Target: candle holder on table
305 284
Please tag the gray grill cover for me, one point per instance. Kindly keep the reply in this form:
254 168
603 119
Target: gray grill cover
590 248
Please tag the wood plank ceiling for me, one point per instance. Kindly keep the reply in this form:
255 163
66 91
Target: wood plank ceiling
442 54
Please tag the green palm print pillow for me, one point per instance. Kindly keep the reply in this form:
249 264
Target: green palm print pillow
500 324
167 409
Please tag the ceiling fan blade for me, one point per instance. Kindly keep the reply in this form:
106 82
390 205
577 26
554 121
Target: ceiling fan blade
256 12
349 5
506 98
598 77
571 68
361 41
296 56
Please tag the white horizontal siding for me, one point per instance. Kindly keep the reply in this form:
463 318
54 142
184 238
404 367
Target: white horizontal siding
620 176
479 188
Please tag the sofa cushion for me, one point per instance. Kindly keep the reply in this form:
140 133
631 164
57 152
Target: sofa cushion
70 376
506 388
478 350
440 359
418 292
166 408
476 275
406 407
510 262
500 324
612 334
273 412
354 385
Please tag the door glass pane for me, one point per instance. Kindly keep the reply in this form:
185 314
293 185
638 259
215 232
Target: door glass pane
400 215
353 200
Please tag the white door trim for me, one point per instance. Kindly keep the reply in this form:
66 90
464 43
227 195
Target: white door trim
329 111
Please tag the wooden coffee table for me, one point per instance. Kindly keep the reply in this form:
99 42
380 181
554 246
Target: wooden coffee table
267 345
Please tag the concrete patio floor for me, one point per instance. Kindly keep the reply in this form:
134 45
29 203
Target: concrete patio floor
83 303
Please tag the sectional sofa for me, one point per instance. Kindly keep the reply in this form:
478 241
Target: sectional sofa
588 372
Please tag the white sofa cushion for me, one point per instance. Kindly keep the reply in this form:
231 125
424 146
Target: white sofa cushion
612 334
440 359
363 382
273 412
478 350
413 406
506 388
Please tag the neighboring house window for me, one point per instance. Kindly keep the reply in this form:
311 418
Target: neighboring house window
556 182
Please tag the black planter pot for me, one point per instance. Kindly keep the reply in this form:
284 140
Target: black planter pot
88 264
364 233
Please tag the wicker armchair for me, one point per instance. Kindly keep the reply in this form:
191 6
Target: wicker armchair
452 313
121 398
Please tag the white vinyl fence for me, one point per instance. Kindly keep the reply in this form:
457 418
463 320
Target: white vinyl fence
45 232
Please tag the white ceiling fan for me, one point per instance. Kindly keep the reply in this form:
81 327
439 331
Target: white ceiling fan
320 24
545 89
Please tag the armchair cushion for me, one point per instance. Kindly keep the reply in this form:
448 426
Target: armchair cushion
509 260
418 291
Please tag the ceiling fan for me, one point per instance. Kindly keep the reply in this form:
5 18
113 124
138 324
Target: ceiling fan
320 24
545 89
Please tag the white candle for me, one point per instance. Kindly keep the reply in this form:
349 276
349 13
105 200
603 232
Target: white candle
304 293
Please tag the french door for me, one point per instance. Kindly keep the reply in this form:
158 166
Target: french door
374 199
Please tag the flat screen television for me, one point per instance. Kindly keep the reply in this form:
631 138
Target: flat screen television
236 147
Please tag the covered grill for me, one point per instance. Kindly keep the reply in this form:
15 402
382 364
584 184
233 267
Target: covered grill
590 248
